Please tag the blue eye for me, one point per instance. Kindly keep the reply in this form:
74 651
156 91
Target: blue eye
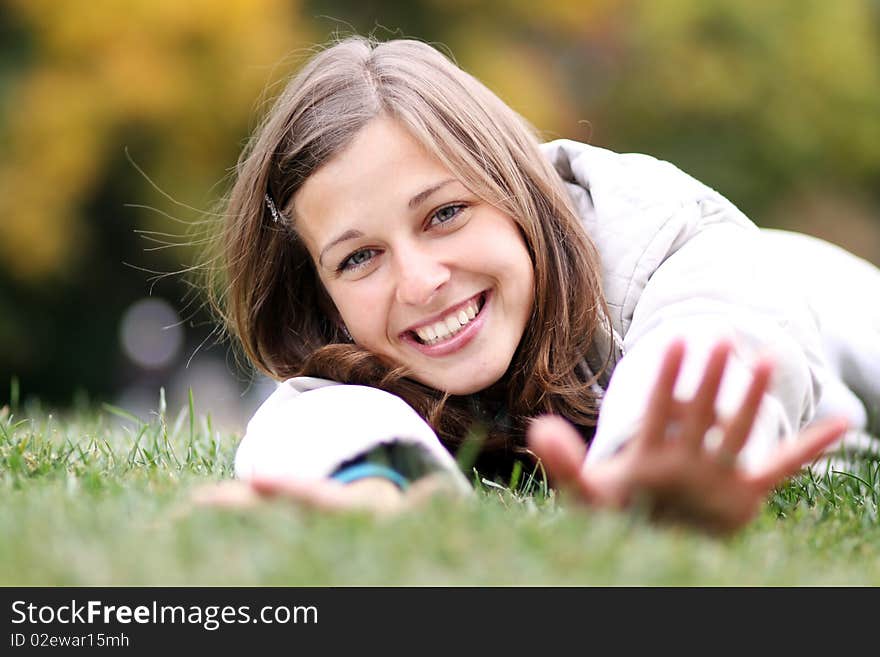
446 214
362 258
356 260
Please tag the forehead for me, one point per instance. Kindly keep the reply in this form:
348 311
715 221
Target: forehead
378 172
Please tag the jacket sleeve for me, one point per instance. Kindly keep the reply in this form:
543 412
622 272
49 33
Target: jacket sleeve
707 276
309 427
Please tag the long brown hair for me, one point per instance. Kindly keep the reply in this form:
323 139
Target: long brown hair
267 290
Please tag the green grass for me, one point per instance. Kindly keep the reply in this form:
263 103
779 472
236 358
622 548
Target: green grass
102 498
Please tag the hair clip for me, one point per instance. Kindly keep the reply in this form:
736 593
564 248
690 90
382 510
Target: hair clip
276 216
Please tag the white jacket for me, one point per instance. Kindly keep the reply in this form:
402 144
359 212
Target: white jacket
678 260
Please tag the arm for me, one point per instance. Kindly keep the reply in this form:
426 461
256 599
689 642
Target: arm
307 434
326 446
680 260
717 284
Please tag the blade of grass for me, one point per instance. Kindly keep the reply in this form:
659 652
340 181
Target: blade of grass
137 441
192 427
470 447
857 478
120 412
515 474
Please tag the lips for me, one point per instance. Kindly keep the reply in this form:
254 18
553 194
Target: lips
446 326
450 324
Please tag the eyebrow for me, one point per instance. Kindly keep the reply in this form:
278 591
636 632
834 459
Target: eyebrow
350 234
414 202
422 196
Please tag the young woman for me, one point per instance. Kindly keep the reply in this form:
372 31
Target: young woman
415 268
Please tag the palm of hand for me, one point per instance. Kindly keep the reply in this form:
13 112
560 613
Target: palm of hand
678 485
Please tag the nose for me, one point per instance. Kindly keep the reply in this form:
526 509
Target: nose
420 275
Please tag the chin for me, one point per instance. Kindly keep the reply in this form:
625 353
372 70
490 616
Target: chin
463 385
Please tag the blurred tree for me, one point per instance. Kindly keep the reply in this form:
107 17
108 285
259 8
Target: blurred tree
777 105
180 77
757 98
174 83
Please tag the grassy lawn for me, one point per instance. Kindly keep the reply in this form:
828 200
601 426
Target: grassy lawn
97 498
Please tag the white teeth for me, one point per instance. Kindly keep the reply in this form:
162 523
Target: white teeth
426 333
448 326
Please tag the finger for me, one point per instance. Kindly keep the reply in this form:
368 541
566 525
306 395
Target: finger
225 495
701 409
370 494
297 489
795 454
562 452
320 494
739 427
436 484
661 402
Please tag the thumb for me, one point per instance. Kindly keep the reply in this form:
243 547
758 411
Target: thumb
562 452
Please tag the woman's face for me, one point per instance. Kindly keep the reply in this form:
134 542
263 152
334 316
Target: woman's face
420 269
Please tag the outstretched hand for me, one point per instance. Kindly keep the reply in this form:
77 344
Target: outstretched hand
372 495
671 465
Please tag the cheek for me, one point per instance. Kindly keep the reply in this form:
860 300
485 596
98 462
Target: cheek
517 267
364 311
522 284
524 296
528 278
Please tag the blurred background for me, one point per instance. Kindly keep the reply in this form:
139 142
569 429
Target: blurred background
121 121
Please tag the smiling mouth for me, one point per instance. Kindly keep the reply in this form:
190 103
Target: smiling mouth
449 325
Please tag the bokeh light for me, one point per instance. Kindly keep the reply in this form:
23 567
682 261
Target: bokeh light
150 333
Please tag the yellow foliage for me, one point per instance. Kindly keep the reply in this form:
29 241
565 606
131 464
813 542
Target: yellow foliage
565 18
177 69
779 63
521 76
